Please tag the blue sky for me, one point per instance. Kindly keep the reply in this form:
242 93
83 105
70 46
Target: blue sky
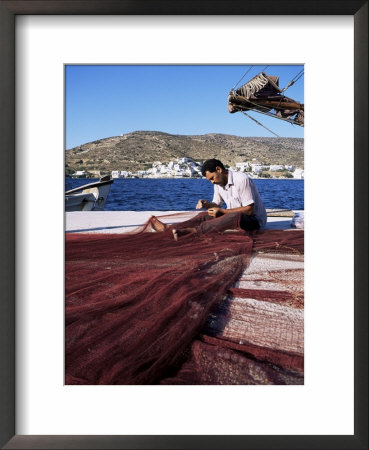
108 100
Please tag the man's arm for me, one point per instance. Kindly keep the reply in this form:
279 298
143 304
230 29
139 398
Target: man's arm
205 204
215 203
216 211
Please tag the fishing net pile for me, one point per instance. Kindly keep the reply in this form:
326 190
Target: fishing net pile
211 308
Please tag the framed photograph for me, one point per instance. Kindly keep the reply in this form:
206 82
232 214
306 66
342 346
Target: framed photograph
38 41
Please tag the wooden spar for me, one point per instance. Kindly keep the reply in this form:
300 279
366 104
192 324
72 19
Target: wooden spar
270 104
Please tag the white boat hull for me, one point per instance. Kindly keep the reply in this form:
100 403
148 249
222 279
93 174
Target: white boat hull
91 197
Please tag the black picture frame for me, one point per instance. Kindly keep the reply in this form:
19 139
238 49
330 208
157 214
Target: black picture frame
8 10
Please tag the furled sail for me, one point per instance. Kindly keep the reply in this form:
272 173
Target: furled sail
263 94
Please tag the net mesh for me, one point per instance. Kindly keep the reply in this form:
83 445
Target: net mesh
139 308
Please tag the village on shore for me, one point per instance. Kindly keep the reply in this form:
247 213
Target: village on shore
187 167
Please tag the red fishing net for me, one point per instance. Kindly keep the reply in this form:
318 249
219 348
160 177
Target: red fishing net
214 307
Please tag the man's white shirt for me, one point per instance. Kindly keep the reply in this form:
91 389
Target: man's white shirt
240 191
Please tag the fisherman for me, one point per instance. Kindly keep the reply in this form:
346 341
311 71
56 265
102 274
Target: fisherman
236 190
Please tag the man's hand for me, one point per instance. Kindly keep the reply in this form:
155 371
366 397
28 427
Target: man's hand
215 212
201 204
205 204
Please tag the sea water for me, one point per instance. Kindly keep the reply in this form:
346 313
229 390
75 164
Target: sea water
182 194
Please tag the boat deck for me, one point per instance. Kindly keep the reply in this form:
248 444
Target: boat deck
125 221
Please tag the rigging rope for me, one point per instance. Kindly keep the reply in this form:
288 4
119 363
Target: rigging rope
243 76
275 134
267 109
299 75
272 115
294 79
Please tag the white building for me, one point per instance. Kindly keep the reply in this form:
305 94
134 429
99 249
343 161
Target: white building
298 174
275 167
79 173
257 167
191 171
242 166
120 174
182 167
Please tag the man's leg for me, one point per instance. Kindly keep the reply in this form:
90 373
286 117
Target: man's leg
157 225
229 221
208 224
249 223
203 223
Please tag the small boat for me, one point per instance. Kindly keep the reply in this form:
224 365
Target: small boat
89 197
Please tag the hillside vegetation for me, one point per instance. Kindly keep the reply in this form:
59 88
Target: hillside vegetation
138 150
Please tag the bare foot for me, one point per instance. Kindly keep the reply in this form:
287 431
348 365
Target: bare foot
179 233
157 225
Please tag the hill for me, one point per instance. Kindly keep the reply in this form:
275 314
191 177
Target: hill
138 150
